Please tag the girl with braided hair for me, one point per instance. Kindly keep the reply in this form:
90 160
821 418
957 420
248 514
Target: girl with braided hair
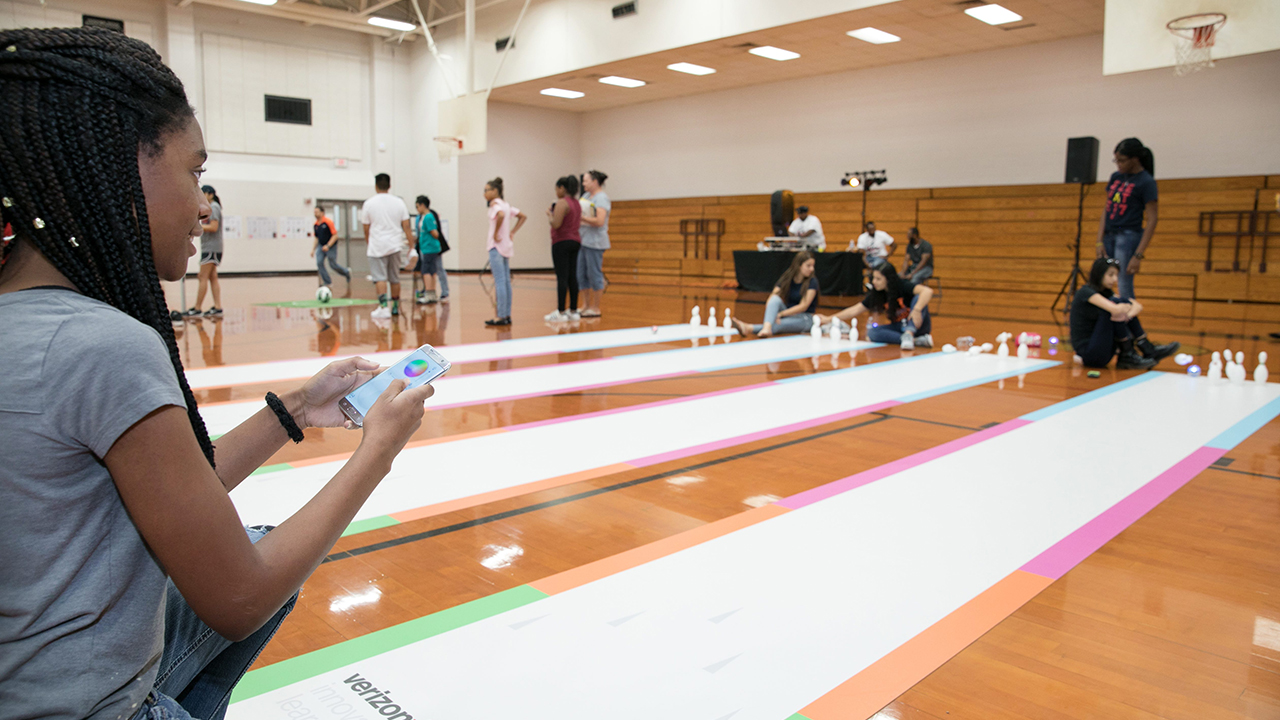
128 588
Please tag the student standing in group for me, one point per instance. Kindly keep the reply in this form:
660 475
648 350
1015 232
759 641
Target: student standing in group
919 258
326 248
386 229
501 248
565 215
428 233
1131 196
905 306
210 256
794 300
594 231
130 588
441 274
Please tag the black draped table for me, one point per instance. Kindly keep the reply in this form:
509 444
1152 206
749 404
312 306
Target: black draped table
839 273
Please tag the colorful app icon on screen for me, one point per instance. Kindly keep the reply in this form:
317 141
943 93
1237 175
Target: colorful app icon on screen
415 368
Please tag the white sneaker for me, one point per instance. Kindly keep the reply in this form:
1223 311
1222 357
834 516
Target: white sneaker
555 316
382 312
572 316
924 341
908 341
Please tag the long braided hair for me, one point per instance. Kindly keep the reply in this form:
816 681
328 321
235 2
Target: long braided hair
79 104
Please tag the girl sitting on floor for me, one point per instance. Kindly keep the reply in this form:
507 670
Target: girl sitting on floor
791 305
1102 323
905 305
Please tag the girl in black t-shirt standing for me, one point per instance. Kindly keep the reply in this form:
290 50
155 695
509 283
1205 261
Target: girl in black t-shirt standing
792 303
1131 196
1103 322
904 304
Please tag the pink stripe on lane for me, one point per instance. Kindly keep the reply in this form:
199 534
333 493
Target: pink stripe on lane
1071 550
578 388
751 437
602 413
867 477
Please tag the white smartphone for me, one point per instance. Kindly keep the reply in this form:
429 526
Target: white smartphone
418 367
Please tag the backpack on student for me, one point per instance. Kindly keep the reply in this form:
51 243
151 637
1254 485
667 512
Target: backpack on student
444 244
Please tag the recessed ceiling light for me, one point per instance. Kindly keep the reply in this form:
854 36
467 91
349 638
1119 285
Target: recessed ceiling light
622 82
261 2
392 24
773 53
993 14
557 92
691 68
872 35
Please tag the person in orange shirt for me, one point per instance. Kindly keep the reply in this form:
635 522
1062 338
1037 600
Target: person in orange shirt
326 247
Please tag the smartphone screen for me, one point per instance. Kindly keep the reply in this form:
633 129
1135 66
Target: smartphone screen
418 367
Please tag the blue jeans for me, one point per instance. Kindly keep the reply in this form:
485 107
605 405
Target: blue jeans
1120 245
892 332
798 323
921 275
501 282
332 256
444 279
200 668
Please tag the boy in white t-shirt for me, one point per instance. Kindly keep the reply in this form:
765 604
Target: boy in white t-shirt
386 231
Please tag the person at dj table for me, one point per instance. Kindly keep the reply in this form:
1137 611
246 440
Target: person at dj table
808 228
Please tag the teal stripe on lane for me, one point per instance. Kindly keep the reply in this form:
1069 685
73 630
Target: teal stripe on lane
1237 433
1089 397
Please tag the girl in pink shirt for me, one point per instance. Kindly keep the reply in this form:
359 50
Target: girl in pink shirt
501 248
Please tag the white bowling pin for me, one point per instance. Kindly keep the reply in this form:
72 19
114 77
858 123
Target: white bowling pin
695 319
728 321
711 317
1003 339
816 330
1022 355
853 329
1260 373
1241 375
834 334
1215 366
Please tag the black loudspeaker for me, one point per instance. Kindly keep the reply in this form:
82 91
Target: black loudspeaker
782 209
1082 160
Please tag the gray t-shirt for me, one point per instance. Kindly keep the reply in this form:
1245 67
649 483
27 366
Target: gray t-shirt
211 242
81 597
596 237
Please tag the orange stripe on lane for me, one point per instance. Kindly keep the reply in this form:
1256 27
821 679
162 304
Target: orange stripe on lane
505 493
866 693
605 567
419 443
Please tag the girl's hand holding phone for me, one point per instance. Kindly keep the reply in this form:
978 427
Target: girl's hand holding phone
317 402
395 417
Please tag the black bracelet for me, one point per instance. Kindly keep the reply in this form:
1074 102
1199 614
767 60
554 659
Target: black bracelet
286 419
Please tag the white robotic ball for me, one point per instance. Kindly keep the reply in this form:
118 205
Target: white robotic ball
1183 358
324 294
1193 370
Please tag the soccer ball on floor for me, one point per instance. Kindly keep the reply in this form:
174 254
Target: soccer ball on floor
324 294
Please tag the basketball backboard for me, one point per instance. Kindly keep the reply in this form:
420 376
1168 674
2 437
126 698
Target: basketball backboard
1135 37
467 119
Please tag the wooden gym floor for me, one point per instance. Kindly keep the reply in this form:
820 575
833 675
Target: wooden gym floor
1176 617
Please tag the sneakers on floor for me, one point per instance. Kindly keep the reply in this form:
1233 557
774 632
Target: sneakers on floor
193 312
555 316
381 312
420 298
395 308
908 340
213 312
924 341
498 322
572 316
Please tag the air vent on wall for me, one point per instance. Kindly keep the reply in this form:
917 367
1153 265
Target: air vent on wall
101 22
296 111
624 10
501 43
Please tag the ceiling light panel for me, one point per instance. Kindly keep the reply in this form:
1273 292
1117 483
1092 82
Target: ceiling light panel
993 14
392 24
261 2
622 82
690 68
557 92
873 36
774 53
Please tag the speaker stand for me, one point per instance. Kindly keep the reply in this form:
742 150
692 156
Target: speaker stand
1073 279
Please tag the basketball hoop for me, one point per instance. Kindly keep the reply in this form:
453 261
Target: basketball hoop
447 147
1193 39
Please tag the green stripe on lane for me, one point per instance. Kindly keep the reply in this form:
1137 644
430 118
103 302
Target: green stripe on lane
368 524
274 677
271 468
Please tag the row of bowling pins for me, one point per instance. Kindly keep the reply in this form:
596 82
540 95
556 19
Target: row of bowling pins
1003 350
696 318
1234 369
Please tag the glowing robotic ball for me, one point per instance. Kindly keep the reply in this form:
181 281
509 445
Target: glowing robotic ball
1053 339
324 294
1193 370
415 368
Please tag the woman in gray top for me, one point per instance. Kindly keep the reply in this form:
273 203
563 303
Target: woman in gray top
128 588
594 232
210 255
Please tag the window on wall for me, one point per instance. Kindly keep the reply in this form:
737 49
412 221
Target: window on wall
296 111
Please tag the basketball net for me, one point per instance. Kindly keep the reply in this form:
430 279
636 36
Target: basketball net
447 147
1194 36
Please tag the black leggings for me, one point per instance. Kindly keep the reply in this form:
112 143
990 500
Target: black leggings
564 255
1107 333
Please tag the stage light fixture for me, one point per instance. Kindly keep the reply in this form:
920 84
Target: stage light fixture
849 181
865 179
